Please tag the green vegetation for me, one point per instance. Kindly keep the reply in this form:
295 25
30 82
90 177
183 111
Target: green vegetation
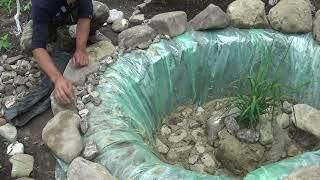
7 5
260 91
4 42
27 7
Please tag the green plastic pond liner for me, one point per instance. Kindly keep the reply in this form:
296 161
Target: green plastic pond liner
143 87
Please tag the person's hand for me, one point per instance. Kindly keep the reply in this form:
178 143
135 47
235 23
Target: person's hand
80 58
63 91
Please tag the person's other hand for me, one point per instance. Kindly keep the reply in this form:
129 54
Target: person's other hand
80 58
63 90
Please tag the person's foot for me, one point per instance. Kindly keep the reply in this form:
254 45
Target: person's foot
98 37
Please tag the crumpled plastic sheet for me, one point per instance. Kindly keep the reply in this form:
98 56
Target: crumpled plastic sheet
142 87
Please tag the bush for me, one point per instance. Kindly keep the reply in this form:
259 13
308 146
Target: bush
4 42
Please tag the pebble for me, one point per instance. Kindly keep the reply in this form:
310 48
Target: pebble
15 148
198 168
84 113
10 101
162 148
178 136
9 132
90 150
22 165
193 159
13 60
208 160
248 136
2 122
96 101
137 19
80 105
231 125
86 99
84 126
165 130
200 149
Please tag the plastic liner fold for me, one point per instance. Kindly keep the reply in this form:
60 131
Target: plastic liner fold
143 87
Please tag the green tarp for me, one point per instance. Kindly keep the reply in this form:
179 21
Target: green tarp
142 87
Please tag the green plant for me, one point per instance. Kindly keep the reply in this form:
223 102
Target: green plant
7 4
260 91
4 42
27 7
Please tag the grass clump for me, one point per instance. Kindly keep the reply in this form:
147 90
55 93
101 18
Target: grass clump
7 5
4 42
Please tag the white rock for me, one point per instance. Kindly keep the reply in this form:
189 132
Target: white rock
84 113
208 160
137 36
73 31
22 165
178 136
165 130
161 147
15 148
283 120
10 101
214 125
114 15
120 25
9 132
307 118
90 151
81 169
137 19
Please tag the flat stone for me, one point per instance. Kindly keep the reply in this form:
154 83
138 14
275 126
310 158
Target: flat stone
170 23
283 120
96 52
291 16
62 136
265 131
120 25
212 17
161 147
137 19
136 36
15 148
81 169
90 151
248 135
247 14
305 173
307 119
22 165
8 132
178 136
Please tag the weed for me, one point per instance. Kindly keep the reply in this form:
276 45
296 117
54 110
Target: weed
27 7
7 4
4 42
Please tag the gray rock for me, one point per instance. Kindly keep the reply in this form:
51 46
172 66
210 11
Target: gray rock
62 136
178 136
7 75
86 98
307 119
19 80
56 107
9 89
90 150
114 15
214 125
287 107
120 25
15 148
193 159
142 5
236 156
136 36
22 165
161 147
80 105
210 18
208 161
293 150
13 60
291 16
231 125
265 131
199 148
198 168
96 52
248 135
8 132
170 23
165 130
283 120
136 19
311 172
81 169
247 14
279 145
316 27
84 126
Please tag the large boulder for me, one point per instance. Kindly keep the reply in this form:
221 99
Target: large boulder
22 165
96 52
291 16
316 27
81 169
307 118
236 156
62 136
170 23
210 18
138 36
247 14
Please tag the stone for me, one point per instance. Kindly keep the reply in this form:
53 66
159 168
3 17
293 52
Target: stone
90 151
19 80
231 125
311 172
120 25
178 136
170 23
247 14
56 107
114 15
84 113
208 161
15 148
86 98
96 52
2 122
316 27
307 118
136 36
265 131
161 147
212 17
193 124
73 31
62 136
13 60
80 105
199 148
197 134
293 150
283 120
8 132
248 136
81 169
214 125
198 168
84 126
22 165
287 107
279 144
7 75
236 156
137 19
291 16
165 130
193 159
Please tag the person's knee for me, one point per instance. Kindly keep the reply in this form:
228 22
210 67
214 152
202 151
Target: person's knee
26 39
100 12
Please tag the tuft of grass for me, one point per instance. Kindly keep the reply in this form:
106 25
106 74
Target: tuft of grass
260 91
4 42
7 4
